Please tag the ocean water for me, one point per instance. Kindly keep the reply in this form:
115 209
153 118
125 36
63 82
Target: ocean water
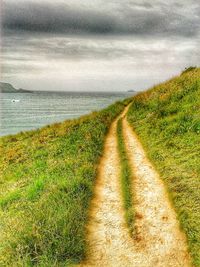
26 111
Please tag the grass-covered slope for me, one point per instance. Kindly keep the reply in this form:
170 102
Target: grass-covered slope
167 120
47 179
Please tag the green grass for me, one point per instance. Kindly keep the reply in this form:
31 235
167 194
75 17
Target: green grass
126 180
167 121
47 178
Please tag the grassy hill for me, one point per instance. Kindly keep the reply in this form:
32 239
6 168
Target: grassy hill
167 121
47 176
47 179
8 88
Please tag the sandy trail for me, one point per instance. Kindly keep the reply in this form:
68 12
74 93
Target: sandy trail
157 230
159 241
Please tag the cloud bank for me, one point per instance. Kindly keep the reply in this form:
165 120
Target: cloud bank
98 44
121 18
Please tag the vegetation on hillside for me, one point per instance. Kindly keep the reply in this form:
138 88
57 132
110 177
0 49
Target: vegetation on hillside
126 180
167 120
8 88
47 178
191 68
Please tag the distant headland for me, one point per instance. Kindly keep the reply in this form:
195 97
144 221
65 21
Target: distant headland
8 88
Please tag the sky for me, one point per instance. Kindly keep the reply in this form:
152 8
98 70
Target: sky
97 45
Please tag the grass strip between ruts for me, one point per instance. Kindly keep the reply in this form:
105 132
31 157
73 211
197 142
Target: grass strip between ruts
126 177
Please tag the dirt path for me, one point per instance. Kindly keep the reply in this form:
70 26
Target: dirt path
159 241
158 234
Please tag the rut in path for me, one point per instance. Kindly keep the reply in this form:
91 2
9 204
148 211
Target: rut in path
159 241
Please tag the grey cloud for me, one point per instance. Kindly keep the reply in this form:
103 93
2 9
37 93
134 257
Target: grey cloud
10 69
32 51
111 44
51 18
157 20
84 48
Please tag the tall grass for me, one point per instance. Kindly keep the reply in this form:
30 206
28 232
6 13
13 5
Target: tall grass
126 180
167 120
47 178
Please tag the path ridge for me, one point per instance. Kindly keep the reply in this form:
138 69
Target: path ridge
159 242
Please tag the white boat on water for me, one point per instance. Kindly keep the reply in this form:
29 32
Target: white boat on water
15 100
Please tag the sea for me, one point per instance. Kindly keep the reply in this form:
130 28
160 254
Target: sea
26 111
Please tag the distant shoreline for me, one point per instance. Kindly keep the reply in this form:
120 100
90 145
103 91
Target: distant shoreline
8 88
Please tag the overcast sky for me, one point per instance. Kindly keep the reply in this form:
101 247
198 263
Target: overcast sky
97 44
